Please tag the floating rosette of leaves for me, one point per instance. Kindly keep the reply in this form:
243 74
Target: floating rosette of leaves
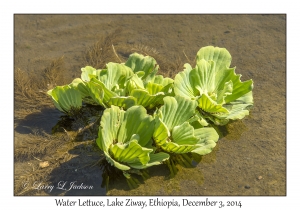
177 128
66 99
125 85
126 138
184 107
220 94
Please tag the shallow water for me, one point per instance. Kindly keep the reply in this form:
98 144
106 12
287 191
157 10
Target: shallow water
251 157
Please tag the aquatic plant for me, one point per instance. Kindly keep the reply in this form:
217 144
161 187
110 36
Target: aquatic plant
220 94
176 130
126 138
66 99
149 117
125 85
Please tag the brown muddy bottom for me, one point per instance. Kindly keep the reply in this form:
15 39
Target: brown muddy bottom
57 155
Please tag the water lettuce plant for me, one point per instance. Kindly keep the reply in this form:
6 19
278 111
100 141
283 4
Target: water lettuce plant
176 132
184 109
220 94
126 138
127 84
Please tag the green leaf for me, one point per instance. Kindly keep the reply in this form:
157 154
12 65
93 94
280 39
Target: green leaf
87 71
134 83
114 163
206 148
161 132
123 102
206 134
136 121
222 93
110 123
182 84
99 93
237 88
153 88
220 56
146 100
130 152
245 99
81 86
200 141
115 75
147 64
177 110
164 81
184 134
209 105
198 120
203 77
155 159
237 111
208 138
173 147
66 98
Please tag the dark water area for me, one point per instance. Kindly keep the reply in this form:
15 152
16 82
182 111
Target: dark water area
250 156
44 120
